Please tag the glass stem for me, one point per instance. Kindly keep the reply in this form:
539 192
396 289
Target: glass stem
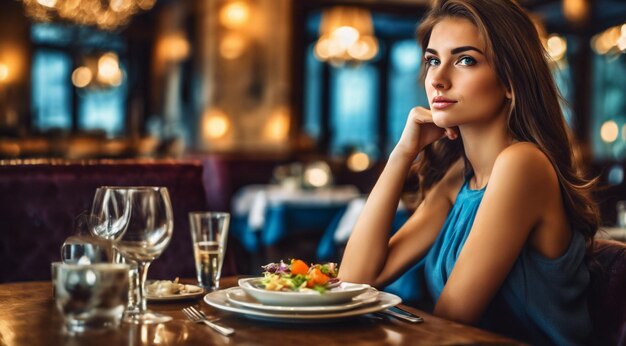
142 270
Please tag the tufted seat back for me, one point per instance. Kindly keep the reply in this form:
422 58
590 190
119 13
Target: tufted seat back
39 201
607 298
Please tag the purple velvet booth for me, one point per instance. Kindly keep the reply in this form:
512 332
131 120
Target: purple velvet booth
40 199
607 297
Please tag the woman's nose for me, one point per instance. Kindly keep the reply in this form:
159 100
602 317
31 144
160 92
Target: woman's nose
439 83
439 80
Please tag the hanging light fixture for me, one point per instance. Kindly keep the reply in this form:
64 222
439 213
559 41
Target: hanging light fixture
346 35
104 14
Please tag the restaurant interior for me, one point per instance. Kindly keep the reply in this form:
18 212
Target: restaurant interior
280 112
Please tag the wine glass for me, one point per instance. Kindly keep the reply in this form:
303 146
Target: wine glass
144 238
110 212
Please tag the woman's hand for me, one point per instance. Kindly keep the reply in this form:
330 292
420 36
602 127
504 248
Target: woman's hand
420 131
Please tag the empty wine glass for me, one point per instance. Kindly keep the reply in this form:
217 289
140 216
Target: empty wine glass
144 238
109 212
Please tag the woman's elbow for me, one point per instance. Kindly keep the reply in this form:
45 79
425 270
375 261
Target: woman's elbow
457 312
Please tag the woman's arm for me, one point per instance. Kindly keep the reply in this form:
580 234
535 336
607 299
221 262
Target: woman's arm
369 256
522 190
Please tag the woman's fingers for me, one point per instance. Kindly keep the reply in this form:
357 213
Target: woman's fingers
452 133
421 115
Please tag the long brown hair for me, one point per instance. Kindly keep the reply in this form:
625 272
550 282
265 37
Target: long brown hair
521 63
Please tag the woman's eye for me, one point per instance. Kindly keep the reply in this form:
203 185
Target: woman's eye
431 61
467 61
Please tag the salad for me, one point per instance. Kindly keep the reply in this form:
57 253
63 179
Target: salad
298 276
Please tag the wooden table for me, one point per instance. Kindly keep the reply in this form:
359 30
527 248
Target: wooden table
28 316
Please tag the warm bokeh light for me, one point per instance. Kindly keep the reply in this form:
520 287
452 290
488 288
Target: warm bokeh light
557 46
316 176
81 77
234 14
120 5
609 131
4 72
365 48
621 43
109 69
47 3
605 41
174 47
232 45
105 14
277 127
358 161
215 124
576 11
346 36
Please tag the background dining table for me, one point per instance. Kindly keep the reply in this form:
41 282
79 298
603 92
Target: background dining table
28 316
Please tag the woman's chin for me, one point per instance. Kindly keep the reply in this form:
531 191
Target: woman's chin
443 123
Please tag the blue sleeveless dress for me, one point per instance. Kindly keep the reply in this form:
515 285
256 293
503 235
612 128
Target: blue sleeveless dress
542 301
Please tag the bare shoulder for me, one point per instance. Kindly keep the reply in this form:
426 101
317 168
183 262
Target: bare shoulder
525 164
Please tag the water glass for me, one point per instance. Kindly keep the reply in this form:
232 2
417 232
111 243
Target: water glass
209 232
91 296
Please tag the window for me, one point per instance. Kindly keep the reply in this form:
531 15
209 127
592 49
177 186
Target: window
405 89
608 120
364 112
52 97
58 51
354 108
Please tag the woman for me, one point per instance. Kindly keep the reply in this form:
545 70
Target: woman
505 217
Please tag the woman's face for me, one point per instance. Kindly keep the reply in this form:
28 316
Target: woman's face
462 87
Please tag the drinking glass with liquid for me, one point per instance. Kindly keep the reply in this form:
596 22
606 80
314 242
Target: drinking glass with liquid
83 248
209 232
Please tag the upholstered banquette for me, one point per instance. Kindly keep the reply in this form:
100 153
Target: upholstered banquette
607 295
40 199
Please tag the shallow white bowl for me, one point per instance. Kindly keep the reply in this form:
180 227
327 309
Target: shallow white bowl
336 295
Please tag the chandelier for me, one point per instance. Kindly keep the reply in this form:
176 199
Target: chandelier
104 14
346 35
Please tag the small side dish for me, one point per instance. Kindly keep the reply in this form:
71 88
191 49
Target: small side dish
299 277
166 288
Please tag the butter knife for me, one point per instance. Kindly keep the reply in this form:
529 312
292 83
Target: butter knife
405 316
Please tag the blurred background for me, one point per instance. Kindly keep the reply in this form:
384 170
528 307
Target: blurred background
292 87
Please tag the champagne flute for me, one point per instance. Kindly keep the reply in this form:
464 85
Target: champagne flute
144 238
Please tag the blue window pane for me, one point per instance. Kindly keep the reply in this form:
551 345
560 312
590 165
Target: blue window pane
405 89
51 90
103 110
608 107
354 108
313 95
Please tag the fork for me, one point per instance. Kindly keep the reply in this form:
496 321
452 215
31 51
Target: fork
197 316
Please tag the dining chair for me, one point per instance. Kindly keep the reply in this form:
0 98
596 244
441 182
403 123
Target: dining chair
607 295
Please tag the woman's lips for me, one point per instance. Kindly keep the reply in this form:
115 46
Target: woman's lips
440 102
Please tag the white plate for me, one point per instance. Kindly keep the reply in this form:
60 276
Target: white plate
240 298
336 295
219 300
177 296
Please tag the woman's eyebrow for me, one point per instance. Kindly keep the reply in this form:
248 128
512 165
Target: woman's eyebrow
457 50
